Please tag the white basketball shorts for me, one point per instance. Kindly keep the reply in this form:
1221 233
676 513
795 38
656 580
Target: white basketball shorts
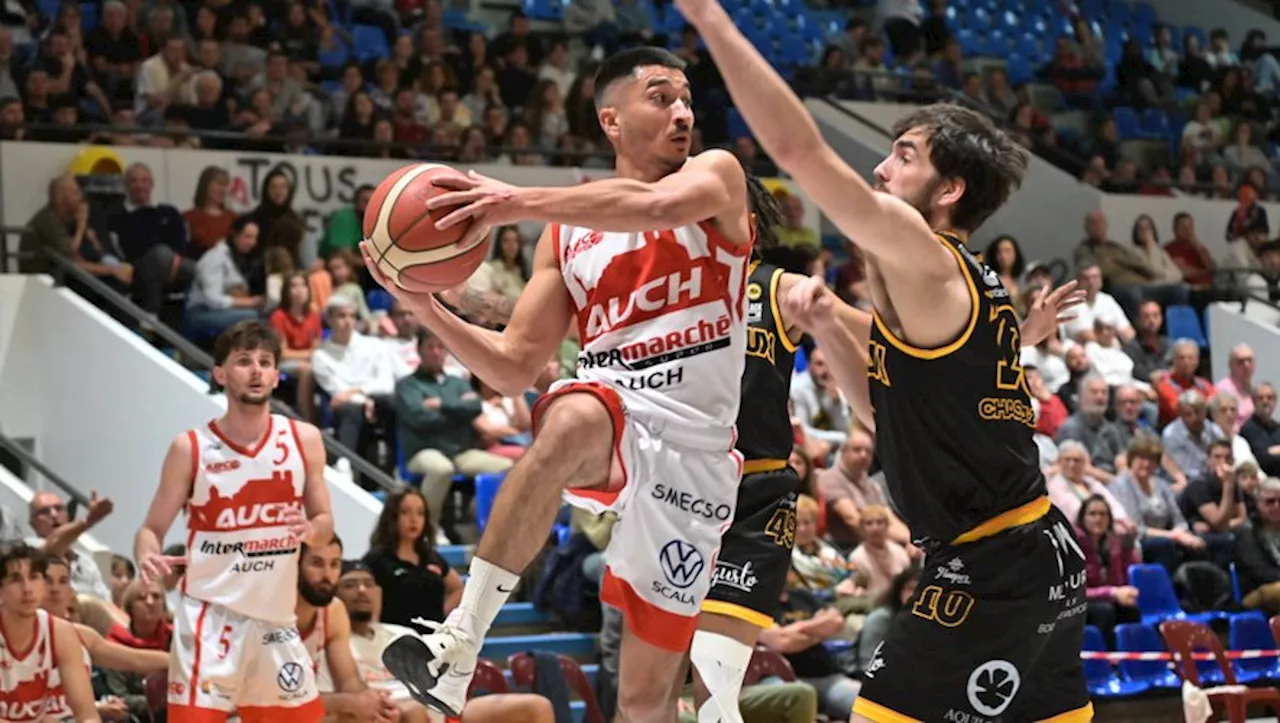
674 488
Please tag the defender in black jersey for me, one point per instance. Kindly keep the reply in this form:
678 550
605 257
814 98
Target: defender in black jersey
995 630
755 553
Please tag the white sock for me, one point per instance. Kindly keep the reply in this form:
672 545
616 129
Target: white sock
487 589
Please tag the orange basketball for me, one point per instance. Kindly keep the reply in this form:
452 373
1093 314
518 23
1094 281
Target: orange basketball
405 242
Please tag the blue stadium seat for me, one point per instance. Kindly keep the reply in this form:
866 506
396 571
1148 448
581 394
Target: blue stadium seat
1139 638
574 645
331 86
1181 322
1018 69
88 16
1127 123
370 43
49 8
486 490
410 478
1157 599
335 58
1251 632
519 613
801 361
795 50
970 43
551 10
379 300
1155 122
997 44
737 125
455 555
1101 676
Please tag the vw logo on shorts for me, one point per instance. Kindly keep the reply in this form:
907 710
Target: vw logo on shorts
681 563
290 677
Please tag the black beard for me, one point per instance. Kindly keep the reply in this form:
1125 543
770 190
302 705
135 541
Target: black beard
314 595
360 616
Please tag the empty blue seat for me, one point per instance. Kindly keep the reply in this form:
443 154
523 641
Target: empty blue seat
370 43
1139 638
795 50
1251 632
379 300
1157 599
455 555
1127 124
1018 69
1099 674
997 45
970 44
335 58
551 10
486 491
402 466
1182 322
88 16
1155 122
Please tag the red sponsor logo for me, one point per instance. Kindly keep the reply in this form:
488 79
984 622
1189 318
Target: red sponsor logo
22 710
229 465
583 244
177 688
259 503
672 343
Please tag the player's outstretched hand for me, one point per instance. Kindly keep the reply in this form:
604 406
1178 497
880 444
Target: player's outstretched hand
155 567
484 201
809 303
1050 309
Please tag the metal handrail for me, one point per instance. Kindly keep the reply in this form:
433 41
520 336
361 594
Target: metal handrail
64 267
30 460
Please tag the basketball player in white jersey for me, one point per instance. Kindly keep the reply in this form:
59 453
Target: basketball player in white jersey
325 629
39 653
60 602
652 266
252 484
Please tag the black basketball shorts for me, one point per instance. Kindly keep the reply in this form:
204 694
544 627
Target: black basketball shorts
993 634
755 552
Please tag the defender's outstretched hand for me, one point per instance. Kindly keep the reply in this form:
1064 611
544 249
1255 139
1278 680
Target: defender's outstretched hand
483 200
1050 309
809 303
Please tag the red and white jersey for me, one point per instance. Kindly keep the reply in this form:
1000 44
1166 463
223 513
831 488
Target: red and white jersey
57 707
28 676
661 318
240 554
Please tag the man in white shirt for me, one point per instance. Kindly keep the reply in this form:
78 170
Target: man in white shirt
360 593
161 78
822 411
56 534
1098 304
359 374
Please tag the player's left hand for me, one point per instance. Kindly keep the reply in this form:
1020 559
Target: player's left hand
1050 310
297 522
483 200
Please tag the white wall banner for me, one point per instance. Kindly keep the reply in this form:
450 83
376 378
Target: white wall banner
322 184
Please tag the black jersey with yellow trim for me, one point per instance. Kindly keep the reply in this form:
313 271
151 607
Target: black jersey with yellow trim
764 423
954 424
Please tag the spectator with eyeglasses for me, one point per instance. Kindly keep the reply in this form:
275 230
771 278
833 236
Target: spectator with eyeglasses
1257 551
56 534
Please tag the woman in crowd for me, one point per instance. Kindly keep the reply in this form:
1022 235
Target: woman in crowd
298 323
877 559
220 295
342 265
504 426
416 582
209 220
816 563
1005 256
1147 241
1151 504
1107 557
149 626
508 270
275 204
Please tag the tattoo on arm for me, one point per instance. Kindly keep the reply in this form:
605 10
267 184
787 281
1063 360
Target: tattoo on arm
492 307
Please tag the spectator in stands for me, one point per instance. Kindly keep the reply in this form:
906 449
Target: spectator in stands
415 579
1125 271
1150 350
298 324
1187 438
152 237
1213 503
1098 305
1239 380
847 489
275 205
1203 133
358 374
877 559
123 572
1051 411
1005 257
1257 556
343 229
1090 428
1070 74
1181 377
817 564
1108 358
220 296
818 404
794 232
504 425
1262 431
1152 505
342 265
1155 256
1107 557
62 227
1266 282
114 52
506 272
437 415
1145 86
1189 252
900 21
1223 408
1127 406
149 626
1073 485
1247 229
209 220
803 625
56 534
1242 154
1220 55
161 80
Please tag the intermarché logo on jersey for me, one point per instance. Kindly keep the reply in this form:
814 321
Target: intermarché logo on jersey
695 339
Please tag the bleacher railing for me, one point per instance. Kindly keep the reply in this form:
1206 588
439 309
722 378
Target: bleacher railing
194 357
76 496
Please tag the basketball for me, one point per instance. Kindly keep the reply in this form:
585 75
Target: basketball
406 245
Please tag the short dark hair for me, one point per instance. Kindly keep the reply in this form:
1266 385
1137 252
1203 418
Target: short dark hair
246 335
19 551
620 65
334 540
1218 443
965 144
422 333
